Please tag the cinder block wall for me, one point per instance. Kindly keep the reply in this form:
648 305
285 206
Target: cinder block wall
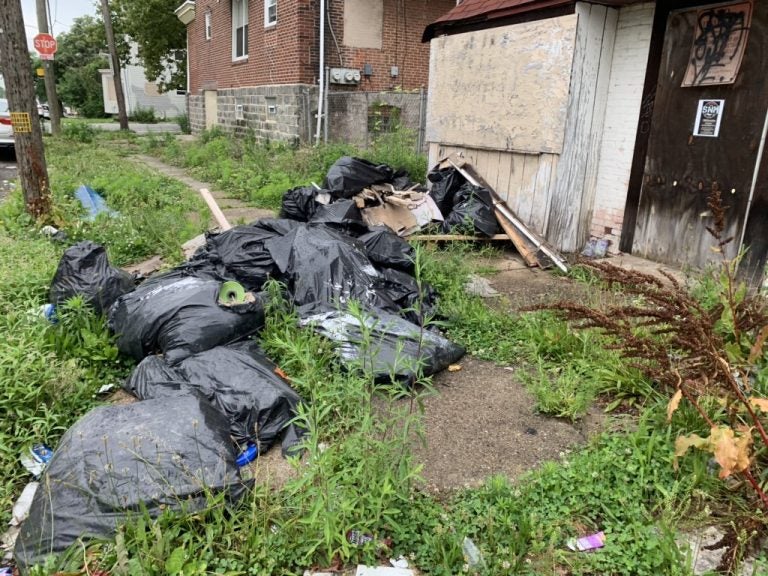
630 59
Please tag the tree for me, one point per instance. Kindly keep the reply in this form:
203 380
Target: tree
28 134
81 54
160 36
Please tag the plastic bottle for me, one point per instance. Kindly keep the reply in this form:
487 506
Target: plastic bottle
48 311
248 455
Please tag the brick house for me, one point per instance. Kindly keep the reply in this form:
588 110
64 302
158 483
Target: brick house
612 119
255 64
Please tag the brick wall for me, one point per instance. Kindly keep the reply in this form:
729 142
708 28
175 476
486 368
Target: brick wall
287 54
630 58
404 23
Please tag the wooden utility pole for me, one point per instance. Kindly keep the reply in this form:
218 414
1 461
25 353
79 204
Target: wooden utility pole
20 92
50 79
107 16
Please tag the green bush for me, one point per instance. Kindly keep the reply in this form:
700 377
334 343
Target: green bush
78 132
183 121
144 115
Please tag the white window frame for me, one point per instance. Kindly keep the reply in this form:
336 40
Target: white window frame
270 4
208 33
239 22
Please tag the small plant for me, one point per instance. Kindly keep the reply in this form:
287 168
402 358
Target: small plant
183 121
78 132
144 115
709 358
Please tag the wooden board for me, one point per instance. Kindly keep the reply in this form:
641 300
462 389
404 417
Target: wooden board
680 169
502 88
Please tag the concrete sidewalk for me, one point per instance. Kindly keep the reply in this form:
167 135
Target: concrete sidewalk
138 128
235 210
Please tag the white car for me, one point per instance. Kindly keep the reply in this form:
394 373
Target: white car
6 130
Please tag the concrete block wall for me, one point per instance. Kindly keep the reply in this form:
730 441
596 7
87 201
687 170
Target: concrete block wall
196 112
348 113
630 59
292 121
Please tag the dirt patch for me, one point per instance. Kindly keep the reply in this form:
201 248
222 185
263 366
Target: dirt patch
482 422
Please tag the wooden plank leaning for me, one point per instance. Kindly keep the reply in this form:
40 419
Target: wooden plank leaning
523 234
218 215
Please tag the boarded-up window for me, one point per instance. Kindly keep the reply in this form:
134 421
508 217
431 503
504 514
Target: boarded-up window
363 22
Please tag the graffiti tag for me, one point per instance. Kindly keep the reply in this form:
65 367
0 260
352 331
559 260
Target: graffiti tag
718 45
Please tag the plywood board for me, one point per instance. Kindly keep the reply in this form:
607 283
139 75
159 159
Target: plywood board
363 23
503 88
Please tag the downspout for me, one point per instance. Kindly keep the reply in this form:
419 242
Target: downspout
760 152
321 73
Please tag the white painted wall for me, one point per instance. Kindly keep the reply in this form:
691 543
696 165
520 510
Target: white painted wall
630 59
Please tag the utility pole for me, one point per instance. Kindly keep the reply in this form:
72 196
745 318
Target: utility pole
107 16
20 92
50 79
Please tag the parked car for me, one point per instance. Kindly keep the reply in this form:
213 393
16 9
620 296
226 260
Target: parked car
6 130
44 111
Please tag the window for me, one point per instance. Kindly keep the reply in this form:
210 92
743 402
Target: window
239 29
270 12
207 25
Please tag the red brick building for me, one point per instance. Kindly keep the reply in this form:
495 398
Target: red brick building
254 64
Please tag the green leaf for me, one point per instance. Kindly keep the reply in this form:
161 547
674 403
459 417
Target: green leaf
175 561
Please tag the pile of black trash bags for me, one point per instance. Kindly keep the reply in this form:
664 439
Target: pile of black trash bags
208 394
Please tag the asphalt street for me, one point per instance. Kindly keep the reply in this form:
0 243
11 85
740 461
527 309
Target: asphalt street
8 171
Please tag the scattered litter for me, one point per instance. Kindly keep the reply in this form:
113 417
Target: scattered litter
116 460
104 389
231 293
596 248
93 202
309 573
46 311
6 571
382 571
52 232
479 286
84 270
472 555
248 455
357 538
591 542
400 562
454 367
35 457
21 507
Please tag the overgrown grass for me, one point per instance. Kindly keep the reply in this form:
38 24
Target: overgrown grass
156 214
50 373
357 472
261 173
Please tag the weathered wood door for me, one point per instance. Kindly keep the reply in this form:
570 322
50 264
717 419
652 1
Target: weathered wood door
681 168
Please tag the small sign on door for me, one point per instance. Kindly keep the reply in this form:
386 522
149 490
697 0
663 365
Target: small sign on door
708 118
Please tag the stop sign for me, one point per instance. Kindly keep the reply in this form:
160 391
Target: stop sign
45 44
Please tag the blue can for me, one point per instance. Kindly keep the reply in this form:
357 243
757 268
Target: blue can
248 455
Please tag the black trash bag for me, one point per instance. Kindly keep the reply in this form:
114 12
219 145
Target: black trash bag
415 304
241 253
323 266
472 212
299 203
179 316
143 381
397 349
401 180
348 176
238 380
445 184
385 248
117 462
343 215
84 270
